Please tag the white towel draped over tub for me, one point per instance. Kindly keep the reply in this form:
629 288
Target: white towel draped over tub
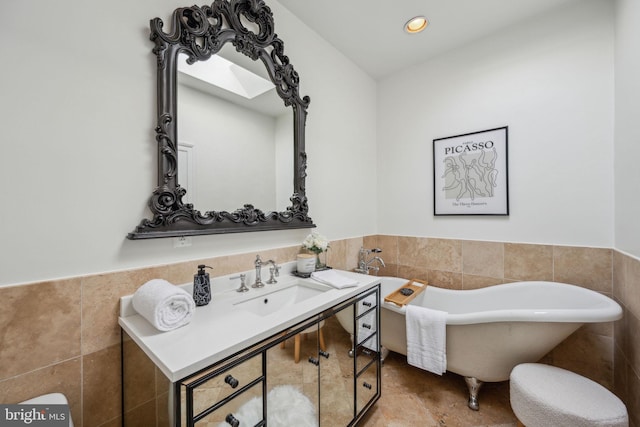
164 305
426 338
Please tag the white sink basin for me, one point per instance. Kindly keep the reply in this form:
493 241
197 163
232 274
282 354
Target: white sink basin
281 298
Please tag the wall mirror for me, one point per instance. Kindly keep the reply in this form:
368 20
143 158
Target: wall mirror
226 147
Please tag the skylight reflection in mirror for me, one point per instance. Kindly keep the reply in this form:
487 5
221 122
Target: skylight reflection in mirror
220 72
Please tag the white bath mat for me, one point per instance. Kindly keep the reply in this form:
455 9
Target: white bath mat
287 407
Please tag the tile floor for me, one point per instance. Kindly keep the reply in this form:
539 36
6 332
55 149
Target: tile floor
413 397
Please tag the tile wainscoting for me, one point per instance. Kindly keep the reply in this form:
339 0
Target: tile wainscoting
63 335
626 355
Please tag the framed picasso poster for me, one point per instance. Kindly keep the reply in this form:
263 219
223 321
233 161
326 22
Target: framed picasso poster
470 173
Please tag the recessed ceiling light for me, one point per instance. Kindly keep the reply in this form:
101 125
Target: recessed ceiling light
415 25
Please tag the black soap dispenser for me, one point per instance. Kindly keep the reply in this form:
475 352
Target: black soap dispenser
201 286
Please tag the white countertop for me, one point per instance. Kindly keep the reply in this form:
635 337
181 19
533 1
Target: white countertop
219 330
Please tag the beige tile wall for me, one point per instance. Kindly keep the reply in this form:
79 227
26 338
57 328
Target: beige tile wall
63 335
626 289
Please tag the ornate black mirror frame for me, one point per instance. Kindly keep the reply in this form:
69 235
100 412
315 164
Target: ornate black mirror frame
201 32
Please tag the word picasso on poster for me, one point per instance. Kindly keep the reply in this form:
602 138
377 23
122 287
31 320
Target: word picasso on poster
471 174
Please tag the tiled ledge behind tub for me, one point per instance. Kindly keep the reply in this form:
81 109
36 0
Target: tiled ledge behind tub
63 335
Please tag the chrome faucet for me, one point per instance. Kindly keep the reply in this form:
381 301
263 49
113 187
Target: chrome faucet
274 271
365 266
243 286
258 265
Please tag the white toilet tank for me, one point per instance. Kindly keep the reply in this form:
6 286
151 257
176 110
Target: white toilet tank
50 399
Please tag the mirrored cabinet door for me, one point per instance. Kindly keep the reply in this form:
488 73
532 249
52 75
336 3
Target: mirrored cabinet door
336 376
292 379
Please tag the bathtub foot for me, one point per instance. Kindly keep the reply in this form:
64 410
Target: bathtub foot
473 384
352 351
384 352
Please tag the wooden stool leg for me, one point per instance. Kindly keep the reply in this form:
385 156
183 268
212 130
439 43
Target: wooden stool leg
323 346
282 344
296 348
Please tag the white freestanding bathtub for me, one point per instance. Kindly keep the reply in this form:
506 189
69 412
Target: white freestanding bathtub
493 329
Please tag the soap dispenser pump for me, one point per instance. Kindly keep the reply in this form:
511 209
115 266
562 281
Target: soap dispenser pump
201 286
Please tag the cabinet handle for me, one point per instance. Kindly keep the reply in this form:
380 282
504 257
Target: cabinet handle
314 361
324 354
231 381
366 385
232 421
366 303
366 325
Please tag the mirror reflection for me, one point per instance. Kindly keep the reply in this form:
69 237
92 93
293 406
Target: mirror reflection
234 134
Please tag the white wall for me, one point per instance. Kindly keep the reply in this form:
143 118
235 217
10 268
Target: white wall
79 155
627 131
551 81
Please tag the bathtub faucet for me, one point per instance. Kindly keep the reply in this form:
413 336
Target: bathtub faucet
365 266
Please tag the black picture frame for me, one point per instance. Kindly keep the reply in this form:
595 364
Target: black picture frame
471 173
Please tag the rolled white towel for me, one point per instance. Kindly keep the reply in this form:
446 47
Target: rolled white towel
164 305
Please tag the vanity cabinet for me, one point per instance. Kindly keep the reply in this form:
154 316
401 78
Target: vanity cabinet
341 383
